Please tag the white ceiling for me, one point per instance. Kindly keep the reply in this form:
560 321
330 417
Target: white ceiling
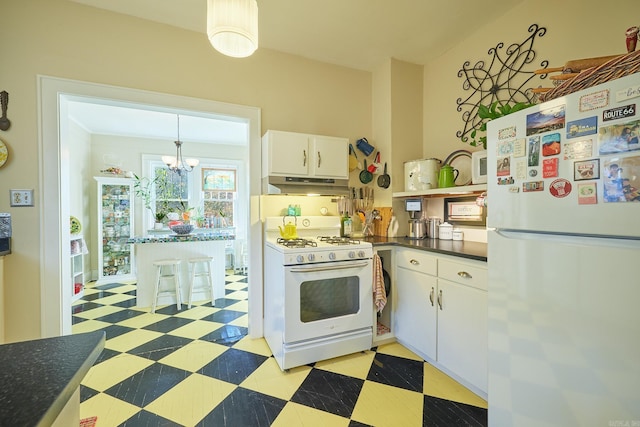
359 34
120 119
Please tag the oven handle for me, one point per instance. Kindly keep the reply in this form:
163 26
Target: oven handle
327 268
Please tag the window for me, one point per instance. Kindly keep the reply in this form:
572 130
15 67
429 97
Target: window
171 190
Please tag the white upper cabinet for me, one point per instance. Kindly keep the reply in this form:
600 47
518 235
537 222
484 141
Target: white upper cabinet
303 155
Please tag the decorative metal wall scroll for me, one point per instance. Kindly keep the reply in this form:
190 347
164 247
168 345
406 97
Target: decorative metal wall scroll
503 80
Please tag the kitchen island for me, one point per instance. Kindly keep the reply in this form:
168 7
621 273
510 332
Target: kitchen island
172 246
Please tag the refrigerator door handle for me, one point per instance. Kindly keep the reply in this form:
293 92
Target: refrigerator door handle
577 239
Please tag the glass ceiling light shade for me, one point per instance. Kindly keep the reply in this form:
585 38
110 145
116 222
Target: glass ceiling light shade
177 164
232 26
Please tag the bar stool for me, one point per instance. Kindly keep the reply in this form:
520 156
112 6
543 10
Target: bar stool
171 272
193 266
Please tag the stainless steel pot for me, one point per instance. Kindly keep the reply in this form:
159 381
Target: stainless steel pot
417 229
433 226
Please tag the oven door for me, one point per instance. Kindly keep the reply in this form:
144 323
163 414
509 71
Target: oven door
327 299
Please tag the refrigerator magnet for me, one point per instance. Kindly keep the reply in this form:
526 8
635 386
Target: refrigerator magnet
521 169
530 186
551 145
587 169
550 168
619 112
621 179
578 149
545 120
595 100
619 138
503 166
506 181
520 147
628 93
507 133
533 158
560 188
505 148
582 127
587 193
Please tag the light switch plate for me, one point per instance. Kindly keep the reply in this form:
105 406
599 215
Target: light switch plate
21 198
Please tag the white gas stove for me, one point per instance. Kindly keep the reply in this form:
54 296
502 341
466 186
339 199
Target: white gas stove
317 291
318 241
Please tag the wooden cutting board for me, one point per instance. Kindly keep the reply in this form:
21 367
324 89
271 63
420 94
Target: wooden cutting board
381 226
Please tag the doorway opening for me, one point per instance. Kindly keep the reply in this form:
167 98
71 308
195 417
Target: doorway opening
57 98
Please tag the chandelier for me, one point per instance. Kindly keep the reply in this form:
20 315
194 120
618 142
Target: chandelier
178 164
232 26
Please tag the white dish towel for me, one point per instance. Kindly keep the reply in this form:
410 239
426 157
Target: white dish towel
379 293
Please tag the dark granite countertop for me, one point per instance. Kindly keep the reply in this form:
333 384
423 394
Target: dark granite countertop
463 249
38 377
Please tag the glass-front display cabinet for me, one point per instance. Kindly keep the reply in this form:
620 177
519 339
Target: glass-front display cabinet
115 227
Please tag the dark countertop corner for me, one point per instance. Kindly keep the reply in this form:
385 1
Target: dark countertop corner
459 248
38 377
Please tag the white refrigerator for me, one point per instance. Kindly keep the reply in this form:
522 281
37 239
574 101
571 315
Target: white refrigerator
564 261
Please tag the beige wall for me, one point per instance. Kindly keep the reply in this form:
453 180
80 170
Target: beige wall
64 39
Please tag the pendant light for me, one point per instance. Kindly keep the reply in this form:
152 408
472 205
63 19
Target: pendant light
232 26
177 164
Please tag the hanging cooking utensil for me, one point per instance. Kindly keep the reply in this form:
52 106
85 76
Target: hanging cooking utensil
4 103
384 180
365 176
353 159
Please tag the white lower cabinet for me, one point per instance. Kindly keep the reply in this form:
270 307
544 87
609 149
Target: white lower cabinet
441 313
462 332
415 316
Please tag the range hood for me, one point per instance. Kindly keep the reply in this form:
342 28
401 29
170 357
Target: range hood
304 186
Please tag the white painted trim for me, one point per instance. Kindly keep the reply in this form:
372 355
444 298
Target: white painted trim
55 306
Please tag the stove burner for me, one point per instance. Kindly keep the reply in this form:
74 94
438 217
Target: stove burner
296 243
335 240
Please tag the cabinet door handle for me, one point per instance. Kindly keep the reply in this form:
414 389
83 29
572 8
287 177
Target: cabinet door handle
414 262
464 275
431 295
319 159
304 157
440 299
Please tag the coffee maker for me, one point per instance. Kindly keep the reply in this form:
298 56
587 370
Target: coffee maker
417 225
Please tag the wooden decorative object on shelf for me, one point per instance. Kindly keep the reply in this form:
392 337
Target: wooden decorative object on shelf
381 226
618 66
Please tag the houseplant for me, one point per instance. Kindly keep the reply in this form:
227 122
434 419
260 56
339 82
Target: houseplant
493 111
144 187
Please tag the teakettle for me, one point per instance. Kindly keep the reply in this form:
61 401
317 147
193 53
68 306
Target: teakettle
447 176
290 231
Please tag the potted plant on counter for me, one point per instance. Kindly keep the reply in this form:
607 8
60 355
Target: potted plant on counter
143 188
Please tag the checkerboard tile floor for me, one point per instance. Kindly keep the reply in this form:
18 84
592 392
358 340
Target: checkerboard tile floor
197 367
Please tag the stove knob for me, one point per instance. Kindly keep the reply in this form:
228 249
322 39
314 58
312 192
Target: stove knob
352 254
332 256
300 258
311 257
361 254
